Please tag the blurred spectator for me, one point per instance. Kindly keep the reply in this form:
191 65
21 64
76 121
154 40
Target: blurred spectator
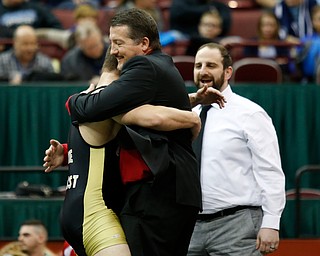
210 25
84 61
295 19
85 12
267 32
32 241
309 53
185 15
33 237
209 30
65 37
267 38
149 6
14 13
24 62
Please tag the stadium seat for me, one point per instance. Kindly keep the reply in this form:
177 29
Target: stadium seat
185 66
256 70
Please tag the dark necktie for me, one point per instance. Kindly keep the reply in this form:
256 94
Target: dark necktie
197 144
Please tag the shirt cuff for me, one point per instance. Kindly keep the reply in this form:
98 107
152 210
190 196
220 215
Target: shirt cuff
269 221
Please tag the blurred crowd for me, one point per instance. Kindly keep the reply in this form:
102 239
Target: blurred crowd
67 40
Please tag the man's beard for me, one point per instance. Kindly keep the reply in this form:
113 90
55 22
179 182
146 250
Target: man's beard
216 83
219 82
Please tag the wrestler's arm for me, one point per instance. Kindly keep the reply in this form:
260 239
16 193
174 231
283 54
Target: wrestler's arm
100 133
159 118
57 154
153 117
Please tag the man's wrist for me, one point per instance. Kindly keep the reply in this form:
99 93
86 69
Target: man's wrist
194 100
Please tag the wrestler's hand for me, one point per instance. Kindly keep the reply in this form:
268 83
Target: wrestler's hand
53 156
208 95
267 240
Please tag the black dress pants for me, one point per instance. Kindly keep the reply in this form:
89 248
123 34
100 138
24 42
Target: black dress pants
154 224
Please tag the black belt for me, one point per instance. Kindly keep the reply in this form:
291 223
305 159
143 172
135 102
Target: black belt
225 212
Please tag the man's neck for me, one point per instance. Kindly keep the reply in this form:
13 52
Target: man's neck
37 252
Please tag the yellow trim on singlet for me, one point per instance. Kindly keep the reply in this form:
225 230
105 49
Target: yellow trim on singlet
101 226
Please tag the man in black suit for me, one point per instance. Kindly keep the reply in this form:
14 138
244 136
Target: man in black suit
159 169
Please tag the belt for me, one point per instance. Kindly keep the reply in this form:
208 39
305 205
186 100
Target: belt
226 212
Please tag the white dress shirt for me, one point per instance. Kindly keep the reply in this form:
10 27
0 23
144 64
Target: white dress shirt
240 160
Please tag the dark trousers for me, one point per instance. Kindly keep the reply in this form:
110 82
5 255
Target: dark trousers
154 224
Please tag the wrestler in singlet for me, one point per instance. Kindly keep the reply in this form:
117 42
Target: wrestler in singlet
94 184
87 223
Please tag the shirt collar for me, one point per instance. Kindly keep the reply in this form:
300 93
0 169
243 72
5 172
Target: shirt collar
227 93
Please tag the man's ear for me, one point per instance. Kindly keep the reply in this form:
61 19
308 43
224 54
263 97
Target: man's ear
42 239
228 73
145 44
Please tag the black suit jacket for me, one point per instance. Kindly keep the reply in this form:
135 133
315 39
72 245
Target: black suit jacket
151 79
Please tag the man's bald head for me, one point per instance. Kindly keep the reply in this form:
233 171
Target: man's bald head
25 43
23 31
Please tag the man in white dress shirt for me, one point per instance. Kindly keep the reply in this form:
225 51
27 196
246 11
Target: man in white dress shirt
243 185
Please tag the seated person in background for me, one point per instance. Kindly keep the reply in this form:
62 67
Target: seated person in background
84 61
295 19
84 12
149 6
66 37
209 30
309 53
32 241
24 62
267 36
23 12
267 32
185 15
33 237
